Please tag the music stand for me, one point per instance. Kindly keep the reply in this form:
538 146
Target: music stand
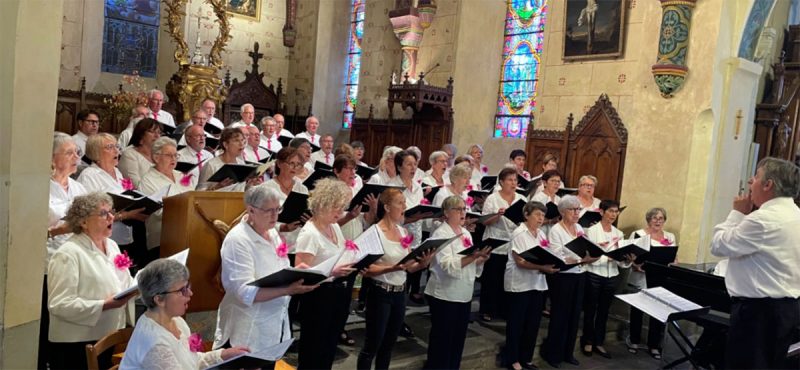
704 289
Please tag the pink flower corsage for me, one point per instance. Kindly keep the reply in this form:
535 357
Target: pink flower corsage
485 169
406 241
127 184
665 241
122 261
419 181
470 201
466 241
186 180
544 243
195 343
353 183
425 202
282 250
580 234
470 187
350 245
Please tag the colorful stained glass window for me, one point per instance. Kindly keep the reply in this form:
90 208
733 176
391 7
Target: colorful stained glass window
353 62
522 53
130 37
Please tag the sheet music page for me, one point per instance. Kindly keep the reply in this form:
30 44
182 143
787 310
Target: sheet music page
648 305
794 350
369 242
180 257
159 195
326 267
671 299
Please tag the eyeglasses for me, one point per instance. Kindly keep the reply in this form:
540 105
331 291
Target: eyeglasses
173 156
92 122
587 185
243 113
574 209
294 164
69 153
185 290
106 212
269 211
154 131
111 147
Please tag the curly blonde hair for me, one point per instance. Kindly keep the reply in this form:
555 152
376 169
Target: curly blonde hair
83 206
329 193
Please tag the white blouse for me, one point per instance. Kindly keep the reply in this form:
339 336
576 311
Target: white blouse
79 280
413 198
248 256
94 178
60 201
298 187
503 228
445 192
393 252
311 241
605 267
254 155
134 165
543 198
594 207
153 181
381 178
635 278
210 167
314 139
519 279
353 228
189 155
431 181
559 237
449 281
152 346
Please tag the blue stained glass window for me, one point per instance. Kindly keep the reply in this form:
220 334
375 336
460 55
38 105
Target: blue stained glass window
130 36
522 54
353 62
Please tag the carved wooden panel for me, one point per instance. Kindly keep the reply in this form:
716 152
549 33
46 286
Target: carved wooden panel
543 142
266 100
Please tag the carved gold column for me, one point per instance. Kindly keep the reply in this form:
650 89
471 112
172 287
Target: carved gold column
194 83
409 24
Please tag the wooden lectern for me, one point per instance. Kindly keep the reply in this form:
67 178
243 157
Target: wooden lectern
183 227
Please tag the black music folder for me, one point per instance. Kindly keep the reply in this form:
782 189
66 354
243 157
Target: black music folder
284 140
490 242
435 212
488 182
365 191
185 167
295 205
236 172
318 165
582 245
366 171
543 256
432 194
311 180
659 255
552 211
288 276
430 244
590 218
566 191
131 200
629 247
514 212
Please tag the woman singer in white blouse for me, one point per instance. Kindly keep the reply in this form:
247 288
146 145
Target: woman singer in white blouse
450 287
161 339
655 236
566 287
387 172
551 180
493 300
232 142
324 311
137 158
288 163
83 276
386 303
436 175
602 279
250 316
165 155
525 285
478 168
459 179
586 187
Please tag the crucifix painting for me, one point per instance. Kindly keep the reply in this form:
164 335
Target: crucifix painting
593 29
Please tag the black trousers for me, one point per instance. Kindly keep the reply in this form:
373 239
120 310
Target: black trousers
44 330
384 318
761 331
449 322
493 300
323 314
596 302
566 302
71 356
655 331
522 325
366 285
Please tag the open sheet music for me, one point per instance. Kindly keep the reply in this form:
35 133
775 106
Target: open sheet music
253 360
370 248
311 276
181 257
660 303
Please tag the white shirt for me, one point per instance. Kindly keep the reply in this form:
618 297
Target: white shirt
393 252
163 117
134 165
152 182
605 267
559 237
636 278
320 156
431 181
216 122
763 250
80 140
152 346
247 256
419 175
189 155
519 279
314 139
595 207
449 281
241 124
311 241
287 133
381 178
254 155
94 178
540 188
271 143
503 228
298 187
60 201
445 192
353 228
544 198
413 198
125 137
79 280
210 167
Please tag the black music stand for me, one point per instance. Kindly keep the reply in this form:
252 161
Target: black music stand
704 289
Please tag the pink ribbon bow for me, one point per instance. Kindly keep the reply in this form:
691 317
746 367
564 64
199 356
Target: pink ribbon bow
195 343
122 261
282 250
406 241
350 245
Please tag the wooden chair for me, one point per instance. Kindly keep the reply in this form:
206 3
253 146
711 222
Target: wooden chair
117 340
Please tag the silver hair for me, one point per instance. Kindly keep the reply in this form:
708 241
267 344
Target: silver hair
256 196
267 118
417 152
389 152
153 92
567 202
473 146
158 277
451 202
452 148
588 177
83 206
652 212
59 139
161 142
784 174
460 172
435 155
310 117
245 105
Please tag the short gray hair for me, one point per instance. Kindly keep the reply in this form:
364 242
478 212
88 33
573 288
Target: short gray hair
161 142
652 212
460 172
246 105
451 202
452 148
784 174
158 277
588 177
83 206
268 118
153 92
389 152
415 151
567 202
435 155
59 139
473 147
256 196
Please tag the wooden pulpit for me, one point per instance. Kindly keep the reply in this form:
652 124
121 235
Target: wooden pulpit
184 226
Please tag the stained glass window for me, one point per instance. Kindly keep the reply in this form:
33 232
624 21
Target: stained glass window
130 36
353 62
522 53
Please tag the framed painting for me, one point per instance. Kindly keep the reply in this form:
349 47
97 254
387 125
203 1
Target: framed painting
593 29
247 9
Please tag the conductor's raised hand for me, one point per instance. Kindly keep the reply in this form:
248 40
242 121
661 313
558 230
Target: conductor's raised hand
743 203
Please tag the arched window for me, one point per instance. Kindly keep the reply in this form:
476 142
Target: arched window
353 62
522 53
130 37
